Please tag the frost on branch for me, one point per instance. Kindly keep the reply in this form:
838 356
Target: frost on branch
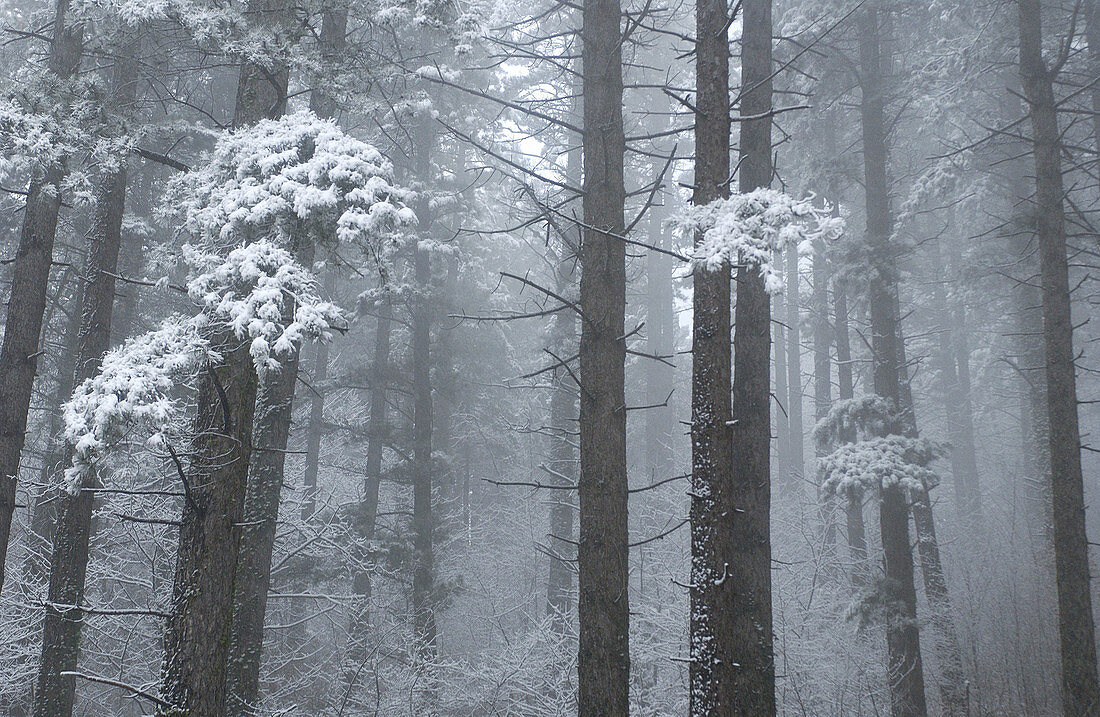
133 393
753 229
881 463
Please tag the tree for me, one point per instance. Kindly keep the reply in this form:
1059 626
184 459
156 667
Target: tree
30 281
603 605
54 692
905 667
1080 684
750 570
714 668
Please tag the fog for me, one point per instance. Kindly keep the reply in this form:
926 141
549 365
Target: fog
462 357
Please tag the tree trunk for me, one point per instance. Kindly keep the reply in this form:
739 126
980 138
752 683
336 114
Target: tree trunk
563 452
953 359
750 623
713 669
424 562
604 656
29 284
797 460
273 414
782 395
54 693
823 383
905 669
199 630
1080 686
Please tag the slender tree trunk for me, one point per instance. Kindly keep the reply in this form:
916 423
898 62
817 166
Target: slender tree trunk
823 381
30 281
36 562
604 656
782 395
750 623
951 679
713 669
200 625
563 405
563 451
1080 685
660 329
315 430
905 669
424 570
953 359
54 693
855 528
794 377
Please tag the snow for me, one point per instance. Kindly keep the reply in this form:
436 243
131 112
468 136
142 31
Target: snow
277 185
881 463
754 228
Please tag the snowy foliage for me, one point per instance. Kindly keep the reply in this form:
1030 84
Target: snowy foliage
293 180
251 291
857 419
881 463
755 228
280 183
133 393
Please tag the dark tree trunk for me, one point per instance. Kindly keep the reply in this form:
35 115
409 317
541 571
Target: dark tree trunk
30 281
750 622
199 630
951 679
1080 686
713 669
604 655
54 693
271 432
905 669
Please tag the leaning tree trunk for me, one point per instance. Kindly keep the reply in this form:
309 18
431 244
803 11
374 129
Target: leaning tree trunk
30 280
1080 685
750 623
602 555
951 679
54 693
271 432
905 669
713 669
199 630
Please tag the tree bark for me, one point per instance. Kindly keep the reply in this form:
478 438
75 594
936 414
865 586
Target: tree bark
30 281
750 622
266 472
604 655
713 669
1080 685
200 625
905 668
